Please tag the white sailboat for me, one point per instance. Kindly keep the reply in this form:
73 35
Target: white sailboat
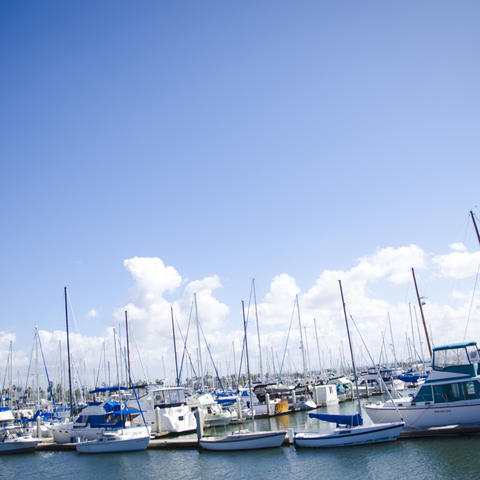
243 439
350 429
120 440
126 438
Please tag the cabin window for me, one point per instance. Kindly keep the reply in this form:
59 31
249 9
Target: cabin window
455 392
472 390
424 394
473 353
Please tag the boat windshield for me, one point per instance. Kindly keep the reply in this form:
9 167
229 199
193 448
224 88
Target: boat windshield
450 358
169 397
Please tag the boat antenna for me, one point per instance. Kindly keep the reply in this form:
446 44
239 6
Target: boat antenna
350 345
421 313
68 355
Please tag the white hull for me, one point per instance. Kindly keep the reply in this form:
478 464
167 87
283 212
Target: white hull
243 441
19 445
345 437
126 440
422 417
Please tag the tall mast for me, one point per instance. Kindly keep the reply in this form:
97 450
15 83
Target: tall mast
301 342
200 370
393 342
68 356
351 350
128 349
175 347
118 374
248 364
421 313
258 329
318 346
475 225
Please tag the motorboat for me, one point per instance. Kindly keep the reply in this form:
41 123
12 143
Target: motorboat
213 413
450 396
165 409
12 438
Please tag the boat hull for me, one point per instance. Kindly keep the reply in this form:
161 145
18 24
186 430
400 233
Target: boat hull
129 440
18 446
346 437
244 441
422 417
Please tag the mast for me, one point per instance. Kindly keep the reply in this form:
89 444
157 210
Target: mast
248 364
174 347
301 342
128 348
68 356
200 370
258 329
421 312
318 346
475 225
118 375
351 350
393 342
234 360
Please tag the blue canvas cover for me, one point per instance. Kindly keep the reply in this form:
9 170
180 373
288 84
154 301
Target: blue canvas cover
349 420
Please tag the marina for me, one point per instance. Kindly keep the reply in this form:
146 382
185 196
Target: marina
240 240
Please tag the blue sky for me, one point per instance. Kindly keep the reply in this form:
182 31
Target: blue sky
236 139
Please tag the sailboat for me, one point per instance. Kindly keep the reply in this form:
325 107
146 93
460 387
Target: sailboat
244 439
349 429
125 438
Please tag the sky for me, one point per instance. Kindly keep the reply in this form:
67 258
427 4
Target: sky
153 150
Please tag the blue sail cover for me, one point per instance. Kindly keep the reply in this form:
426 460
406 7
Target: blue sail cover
349 420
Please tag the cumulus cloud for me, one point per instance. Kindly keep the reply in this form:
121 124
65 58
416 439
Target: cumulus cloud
458 264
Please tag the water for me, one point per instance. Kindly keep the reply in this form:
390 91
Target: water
432 458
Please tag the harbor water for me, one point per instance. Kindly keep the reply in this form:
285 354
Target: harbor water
426 458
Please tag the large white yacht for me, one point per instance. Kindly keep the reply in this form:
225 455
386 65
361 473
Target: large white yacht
165 409
450 395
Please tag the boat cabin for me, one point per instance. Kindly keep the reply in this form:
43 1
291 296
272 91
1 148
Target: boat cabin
460 358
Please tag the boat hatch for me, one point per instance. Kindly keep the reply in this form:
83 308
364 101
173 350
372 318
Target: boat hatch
459 358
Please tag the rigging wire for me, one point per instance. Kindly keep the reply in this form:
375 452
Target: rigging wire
471 302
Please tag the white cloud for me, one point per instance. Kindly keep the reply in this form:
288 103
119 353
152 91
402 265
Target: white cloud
458 264
92 313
